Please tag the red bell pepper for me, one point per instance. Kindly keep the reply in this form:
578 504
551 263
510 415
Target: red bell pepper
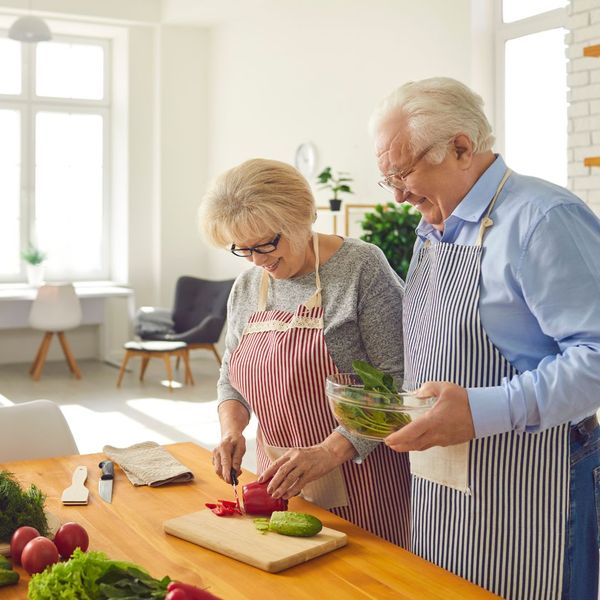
224 508
257 501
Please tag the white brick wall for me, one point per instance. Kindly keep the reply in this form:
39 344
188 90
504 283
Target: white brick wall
583 79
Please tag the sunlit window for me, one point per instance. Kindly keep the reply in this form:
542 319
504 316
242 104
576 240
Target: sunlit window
532 87
10 66
69 71
68 185
514 10
536 105
53 148
10 167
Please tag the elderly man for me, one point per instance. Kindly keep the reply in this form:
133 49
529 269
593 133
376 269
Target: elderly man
502 326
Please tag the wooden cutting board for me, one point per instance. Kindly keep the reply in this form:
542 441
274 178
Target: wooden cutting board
238 538
53 526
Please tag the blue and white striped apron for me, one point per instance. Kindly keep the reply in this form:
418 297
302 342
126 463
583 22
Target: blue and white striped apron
506 530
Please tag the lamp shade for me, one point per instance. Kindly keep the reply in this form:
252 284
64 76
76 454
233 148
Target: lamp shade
30 29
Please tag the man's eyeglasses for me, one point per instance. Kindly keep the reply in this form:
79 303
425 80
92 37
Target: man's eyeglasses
265 248
397 181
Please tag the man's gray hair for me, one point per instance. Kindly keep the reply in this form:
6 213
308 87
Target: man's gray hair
436 110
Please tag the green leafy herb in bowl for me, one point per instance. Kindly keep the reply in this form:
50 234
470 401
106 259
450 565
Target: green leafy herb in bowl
368 403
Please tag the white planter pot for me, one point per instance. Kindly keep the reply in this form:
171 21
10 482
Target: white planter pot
35 275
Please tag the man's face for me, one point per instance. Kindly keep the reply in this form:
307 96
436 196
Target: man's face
422 181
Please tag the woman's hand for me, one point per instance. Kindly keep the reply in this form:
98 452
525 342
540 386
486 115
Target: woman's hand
228 454
299 466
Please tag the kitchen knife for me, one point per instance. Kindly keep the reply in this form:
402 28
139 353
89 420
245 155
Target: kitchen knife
105 484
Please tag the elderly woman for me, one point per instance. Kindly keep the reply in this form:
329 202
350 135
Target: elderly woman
310 305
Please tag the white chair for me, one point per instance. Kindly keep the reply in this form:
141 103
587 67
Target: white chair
35 429
55 310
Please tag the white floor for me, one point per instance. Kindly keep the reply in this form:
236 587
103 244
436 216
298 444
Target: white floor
99 413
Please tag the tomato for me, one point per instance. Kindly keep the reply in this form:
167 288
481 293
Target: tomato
19 540
177 594
38 554
184 591
257 501
70 536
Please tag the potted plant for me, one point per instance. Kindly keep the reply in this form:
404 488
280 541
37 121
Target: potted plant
34 258
337 183
392 228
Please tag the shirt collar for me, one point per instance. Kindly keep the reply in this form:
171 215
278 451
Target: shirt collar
475 203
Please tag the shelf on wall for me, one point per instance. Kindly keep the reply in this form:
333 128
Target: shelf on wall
592 50
592 161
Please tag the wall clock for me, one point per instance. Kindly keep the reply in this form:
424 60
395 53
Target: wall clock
306 159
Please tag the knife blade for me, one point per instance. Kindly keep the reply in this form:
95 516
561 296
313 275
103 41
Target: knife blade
234 483
105 484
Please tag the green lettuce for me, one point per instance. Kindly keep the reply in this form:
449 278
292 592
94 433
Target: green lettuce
93 576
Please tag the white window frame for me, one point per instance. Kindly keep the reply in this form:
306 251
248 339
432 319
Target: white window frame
29 105
552 19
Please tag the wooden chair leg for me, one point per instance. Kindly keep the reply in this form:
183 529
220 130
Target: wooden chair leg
145 361
216 353
40 359
177 363
38 354
186 361
69 355
123 365
167 359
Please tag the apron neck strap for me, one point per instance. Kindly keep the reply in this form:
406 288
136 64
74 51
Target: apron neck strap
313 301
487 221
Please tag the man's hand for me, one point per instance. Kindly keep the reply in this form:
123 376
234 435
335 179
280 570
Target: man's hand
447 423
299 466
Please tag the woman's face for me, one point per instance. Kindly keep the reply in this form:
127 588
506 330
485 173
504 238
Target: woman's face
284 262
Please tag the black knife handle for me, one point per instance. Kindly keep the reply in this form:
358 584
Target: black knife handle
108 469
233 475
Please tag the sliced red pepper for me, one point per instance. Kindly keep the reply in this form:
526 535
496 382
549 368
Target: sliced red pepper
224 508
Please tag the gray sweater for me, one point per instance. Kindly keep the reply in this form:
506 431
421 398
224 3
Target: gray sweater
362 301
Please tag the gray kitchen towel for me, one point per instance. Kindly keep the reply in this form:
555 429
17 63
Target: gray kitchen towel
147 463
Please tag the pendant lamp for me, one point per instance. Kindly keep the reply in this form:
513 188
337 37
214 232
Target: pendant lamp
30 29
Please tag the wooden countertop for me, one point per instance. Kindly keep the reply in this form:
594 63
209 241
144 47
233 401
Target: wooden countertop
131 529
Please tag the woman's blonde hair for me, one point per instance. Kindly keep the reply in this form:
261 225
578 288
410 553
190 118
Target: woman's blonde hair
257 199
436 109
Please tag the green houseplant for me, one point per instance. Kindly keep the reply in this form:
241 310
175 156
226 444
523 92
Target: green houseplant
392 228
34 258
337 183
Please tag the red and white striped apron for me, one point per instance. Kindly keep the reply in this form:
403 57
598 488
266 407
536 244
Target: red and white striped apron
279 367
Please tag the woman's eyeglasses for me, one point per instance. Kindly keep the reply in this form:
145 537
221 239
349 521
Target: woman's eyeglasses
265 248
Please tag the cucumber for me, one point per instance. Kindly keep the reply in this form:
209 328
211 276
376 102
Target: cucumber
8 577
294 524
5 563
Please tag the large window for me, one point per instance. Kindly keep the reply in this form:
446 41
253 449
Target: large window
54 176
532 87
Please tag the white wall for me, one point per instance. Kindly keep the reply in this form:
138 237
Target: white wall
314 70
258 82
584 101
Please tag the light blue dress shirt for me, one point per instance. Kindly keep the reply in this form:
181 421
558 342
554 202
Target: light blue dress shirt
539 299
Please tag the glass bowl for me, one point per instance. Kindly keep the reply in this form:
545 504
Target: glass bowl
369 414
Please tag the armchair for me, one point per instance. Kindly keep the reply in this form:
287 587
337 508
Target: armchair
197 318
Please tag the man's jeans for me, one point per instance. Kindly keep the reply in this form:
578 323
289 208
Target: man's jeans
583 529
